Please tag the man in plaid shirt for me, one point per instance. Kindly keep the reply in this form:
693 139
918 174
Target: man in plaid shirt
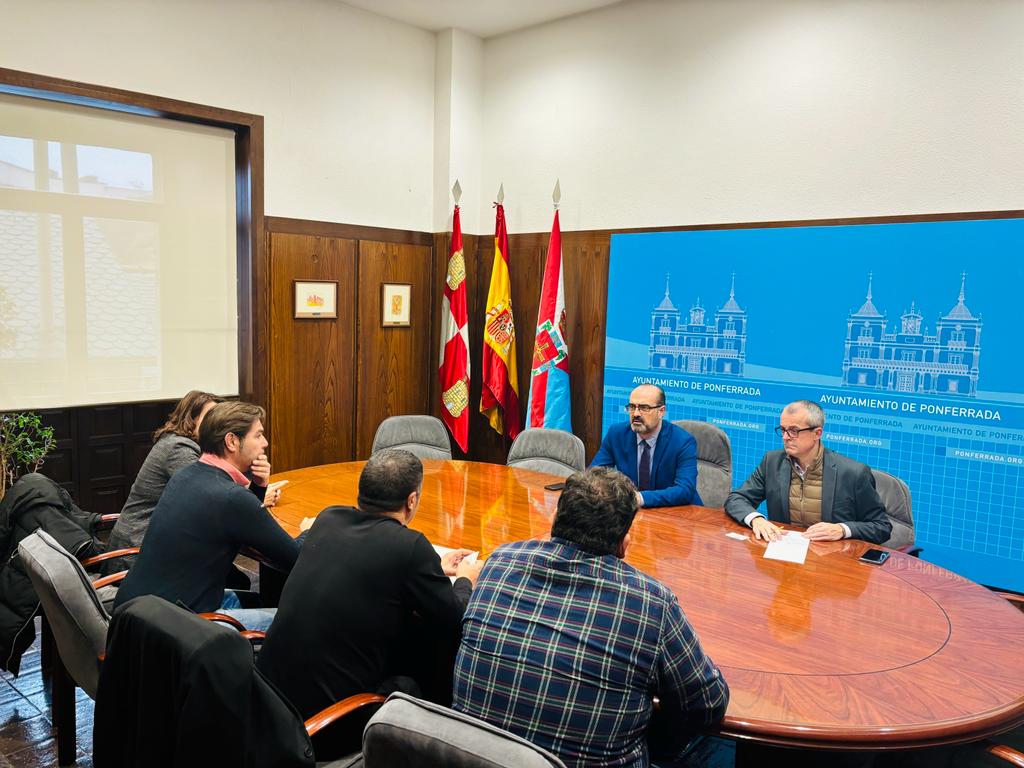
565 644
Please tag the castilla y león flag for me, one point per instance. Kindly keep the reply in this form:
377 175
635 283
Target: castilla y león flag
549 378
499 395
454 364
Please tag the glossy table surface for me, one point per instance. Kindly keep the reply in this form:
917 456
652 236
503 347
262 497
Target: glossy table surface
833 653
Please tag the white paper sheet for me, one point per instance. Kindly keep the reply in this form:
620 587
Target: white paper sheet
442 551
792 548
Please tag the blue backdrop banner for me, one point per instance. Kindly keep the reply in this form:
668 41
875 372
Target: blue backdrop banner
907 334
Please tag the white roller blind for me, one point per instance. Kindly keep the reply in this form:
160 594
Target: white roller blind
117 257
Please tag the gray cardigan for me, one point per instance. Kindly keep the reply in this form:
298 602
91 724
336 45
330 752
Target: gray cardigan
171 453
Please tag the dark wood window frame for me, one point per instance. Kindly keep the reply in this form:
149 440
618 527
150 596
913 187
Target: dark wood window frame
253 317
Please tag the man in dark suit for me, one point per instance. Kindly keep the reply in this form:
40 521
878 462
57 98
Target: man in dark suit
807 484
659 457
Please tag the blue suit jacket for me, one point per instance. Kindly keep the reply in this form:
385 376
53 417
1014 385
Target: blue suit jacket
673 467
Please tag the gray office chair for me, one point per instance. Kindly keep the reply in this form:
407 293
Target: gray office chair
424 436
78 621
896 497
714 461
410 733
547 450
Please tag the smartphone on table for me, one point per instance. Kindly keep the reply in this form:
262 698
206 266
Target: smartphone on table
874 556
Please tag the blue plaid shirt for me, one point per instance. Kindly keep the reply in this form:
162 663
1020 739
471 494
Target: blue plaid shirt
566 649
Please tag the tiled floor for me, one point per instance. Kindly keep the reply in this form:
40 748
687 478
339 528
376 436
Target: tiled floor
27 736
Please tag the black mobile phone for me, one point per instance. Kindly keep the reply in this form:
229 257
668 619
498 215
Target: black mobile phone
874 556
554 486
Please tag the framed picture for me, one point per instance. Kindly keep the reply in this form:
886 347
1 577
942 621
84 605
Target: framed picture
316 298
394 304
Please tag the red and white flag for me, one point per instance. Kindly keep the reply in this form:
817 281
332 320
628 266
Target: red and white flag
454 362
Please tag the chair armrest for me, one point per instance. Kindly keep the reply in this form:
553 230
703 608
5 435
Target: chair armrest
91 561
322 719
106 581
1013 597
1009 754
223 618
107 521
253 636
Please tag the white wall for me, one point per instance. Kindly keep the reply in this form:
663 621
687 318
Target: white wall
458 111
651 112
669 113
348 96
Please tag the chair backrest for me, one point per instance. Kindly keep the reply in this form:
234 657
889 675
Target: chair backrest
547 450
76 616
714 461
896 496
178 690
410 733
423 436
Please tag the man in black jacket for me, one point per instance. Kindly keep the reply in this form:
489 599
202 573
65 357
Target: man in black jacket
369 606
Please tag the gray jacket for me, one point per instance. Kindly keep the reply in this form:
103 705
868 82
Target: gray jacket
848 495
171 453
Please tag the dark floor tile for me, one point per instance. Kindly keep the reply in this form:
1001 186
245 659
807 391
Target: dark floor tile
9 693
29 683
42 755
17 735
40 701
18 710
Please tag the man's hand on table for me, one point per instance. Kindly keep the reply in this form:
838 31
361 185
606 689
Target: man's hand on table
825 532
764 529
306 524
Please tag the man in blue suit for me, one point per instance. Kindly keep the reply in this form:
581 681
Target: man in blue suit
659 457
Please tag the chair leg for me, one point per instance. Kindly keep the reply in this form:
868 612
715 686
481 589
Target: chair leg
46 645
62 705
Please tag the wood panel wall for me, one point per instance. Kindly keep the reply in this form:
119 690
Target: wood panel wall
333 381
312 379
100 449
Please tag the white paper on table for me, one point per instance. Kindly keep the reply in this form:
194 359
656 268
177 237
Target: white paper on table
792 548
442 551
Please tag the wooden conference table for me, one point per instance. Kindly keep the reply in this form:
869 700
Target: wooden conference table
833 654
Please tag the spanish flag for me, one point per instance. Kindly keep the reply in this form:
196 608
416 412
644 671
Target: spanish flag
499 395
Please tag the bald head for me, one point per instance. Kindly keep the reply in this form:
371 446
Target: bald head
646 409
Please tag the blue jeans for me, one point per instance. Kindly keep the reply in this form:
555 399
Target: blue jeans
256 619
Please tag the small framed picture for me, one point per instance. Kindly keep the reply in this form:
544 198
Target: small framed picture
394 304
316 298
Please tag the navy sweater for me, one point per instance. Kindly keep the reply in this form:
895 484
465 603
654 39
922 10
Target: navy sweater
201 521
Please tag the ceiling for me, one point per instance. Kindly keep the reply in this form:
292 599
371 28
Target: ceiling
483 18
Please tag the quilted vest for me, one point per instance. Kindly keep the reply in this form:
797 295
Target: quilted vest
805 494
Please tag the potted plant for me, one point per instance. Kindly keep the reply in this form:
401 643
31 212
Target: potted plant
24 443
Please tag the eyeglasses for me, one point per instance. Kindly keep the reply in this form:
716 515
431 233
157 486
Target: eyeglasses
642 408
792 431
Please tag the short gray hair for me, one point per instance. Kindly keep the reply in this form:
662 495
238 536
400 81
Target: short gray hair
815 416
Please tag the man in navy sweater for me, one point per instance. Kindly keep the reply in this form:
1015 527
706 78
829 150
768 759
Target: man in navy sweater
659 457
207 513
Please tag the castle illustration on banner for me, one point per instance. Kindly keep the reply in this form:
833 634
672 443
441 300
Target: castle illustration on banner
910 359
907 359
691 345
